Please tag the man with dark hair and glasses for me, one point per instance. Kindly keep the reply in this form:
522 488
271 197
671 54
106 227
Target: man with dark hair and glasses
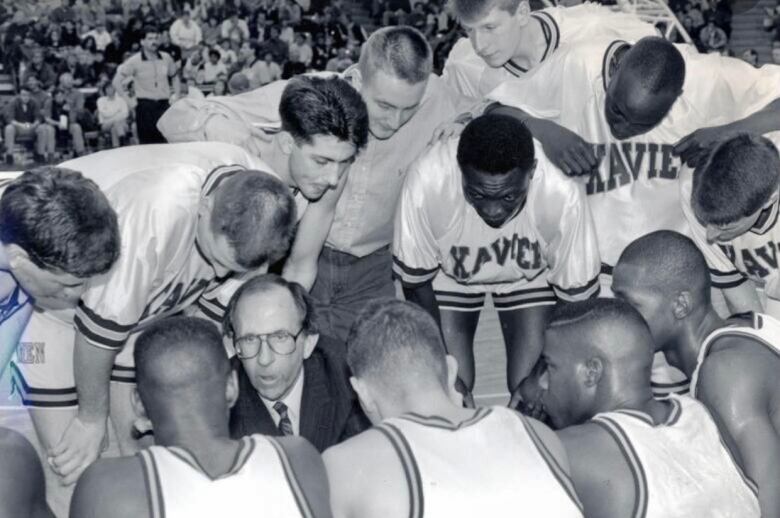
292 380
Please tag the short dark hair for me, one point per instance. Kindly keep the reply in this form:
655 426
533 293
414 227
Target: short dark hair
392 339
313 106
671 260
596 312
62 220
213 52
737 179
657 63
149 29
178 354
400 51
264 283
496 144
256 213
472 10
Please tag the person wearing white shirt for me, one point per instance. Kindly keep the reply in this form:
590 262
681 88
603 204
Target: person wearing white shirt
234 28
213 69
300 50
186 34
112 113
263 71
101 36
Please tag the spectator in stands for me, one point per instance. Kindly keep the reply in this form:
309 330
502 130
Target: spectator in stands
155 76
341 62
322 50
258 29
62 13
220 88
713 38
40 69
396 12
300 50
211 31
166 45
24 120
115 50
193 67
750 56
278 49
186 34
697 19
214 69
100 35
234 28
78 73
112 112
38 94
238 84
355 32
264 71
70 37
227 55
74 108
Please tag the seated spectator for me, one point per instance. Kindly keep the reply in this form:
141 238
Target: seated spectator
322 51
750 56
188 89
396 12
264 71
70 37
292 380
166 45
238 84
278 49
341 62
713 38
220 89
234 28
43 71
25 120
211 31
73 108
186 34
193 67
227 55
258 29
287 33
78 73
63 12
355 32
115 50
213 69
772 21
300 50
100 35
112 112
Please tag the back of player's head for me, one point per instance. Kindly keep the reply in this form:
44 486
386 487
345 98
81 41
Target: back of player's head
472 10
657 64
266 283
397 346
668 263
313 106
399 51
180 360
62 220
256 213
737 180
496 144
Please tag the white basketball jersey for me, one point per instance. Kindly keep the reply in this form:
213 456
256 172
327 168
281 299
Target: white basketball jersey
260 483
490 465
469 74
681 468
635 190
763 330
436 228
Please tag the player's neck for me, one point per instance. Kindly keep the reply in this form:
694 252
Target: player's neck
531 46
639 398
427 403
689 343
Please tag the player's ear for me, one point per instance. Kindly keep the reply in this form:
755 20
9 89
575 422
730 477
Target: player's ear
286 142
18 258
452 379
682 305
309 343
364 395
231 388
142 424
355 78
523 13
593 371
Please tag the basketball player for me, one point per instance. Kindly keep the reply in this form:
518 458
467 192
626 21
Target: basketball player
637 102
186 388
22 484
632 455
405 102
731 203
187 222
57 230
506 40
733 364
427 455
488 213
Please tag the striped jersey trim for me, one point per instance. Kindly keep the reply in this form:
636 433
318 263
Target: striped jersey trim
766 220
671 419
725 280
664 390
412 277
411 470
524 299
218 175
558 472
634 463
292 481
589 290
453 301
41 397
243 453
153 487
100 331
552 36
606 63
435 421
212 308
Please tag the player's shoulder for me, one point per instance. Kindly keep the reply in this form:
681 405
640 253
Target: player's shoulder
550 183
370 443
461 52
732 355
111 487
433 170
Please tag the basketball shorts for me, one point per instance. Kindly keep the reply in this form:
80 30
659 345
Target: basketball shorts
522 294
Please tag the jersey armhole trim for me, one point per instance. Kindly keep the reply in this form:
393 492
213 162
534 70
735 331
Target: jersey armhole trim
152 483
292 480
411 470
634 464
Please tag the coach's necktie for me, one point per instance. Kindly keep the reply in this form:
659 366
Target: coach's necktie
285 425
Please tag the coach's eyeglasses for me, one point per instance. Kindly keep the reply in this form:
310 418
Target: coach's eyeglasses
280 342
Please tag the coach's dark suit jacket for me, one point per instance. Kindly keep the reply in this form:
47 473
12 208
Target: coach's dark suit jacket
330 412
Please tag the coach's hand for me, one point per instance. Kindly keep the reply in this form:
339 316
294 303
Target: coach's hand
694 148
568 151
81 444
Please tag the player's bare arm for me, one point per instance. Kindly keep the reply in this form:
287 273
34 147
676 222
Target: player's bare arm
313 229
738 383
98 495
601 475
83 440
568 151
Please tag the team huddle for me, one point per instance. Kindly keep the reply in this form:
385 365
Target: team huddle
221 310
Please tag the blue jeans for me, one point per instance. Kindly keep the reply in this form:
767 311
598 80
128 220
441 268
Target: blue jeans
345 283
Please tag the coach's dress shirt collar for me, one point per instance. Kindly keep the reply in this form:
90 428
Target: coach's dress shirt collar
293 402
